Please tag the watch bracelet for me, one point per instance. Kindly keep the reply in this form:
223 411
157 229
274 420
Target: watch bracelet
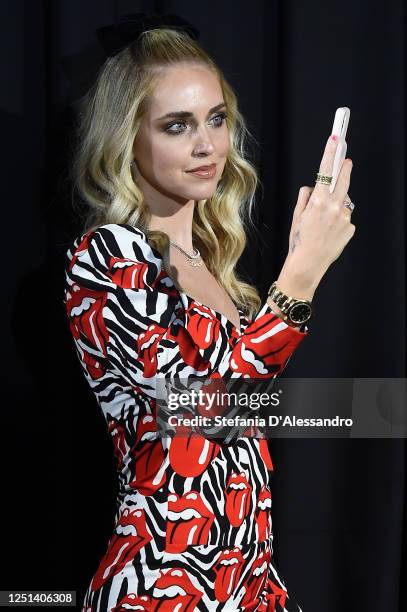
275 294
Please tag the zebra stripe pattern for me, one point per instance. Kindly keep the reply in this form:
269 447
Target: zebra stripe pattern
193 526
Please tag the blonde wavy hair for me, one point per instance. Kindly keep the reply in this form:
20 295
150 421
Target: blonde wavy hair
109 118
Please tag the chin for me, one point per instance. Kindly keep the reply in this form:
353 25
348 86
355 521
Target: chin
203 195
205 192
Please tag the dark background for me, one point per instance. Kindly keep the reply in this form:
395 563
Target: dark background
338 505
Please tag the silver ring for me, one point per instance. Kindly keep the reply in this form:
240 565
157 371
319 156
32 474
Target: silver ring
349 205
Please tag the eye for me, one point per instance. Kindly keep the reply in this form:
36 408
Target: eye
177 127
171 125
222 117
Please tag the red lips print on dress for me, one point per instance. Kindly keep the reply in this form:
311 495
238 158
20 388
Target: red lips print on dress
188 348
128 273
191 454
203 325
86 321
148 453
147 346
113 272
189 522
256 581
174 591
238 497
82 247
214 401
275 595
117 432
131 601
130 535
263 514
251 356
228 568
265 454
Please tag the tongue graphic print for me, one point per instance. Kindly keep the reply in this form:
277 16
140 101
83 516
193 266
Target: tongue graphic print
263 513
189 521
175 591
256 580
141 603
191 454
130 535
228 569
238 495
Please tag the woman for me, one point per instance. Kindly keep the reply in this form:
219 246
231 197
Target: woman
161 164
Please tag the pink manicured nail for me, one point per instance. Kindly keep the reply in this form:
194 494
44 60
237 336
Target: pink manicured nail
334 137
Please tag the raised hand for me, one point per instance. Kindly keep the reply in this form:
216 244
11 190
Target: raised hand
321 228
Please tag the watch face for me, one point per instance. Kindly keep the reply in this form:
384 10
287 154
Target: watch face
300 312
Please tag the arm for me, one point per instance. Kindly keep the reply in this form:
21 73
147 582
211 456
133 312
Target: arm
127 319
292 282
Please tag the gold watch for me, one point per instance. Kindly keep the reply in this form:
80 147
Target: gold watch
297 311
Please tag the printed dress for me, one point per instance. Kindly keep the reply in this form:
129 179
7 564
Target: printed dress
193 527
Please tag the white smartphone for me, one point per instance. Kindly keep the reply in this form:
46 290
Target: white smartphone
340 127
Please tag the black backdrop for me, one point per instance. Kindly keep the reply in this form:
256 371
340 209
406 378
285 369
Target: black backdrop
338 505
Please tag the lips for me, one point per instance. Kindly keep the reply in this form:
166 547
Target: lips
204 171
175 591
263 513
188 345
128 273
148 454
188 522
256 580
203 326
214 389
85 318
117 431
238 497
228 570
190 455
147 347
275 595
131 601
130 535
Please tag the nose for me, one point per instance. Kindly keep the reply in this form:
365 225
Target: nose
203 145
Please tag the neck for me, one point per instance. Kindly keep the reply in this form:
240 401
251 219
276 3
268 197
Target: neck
171 216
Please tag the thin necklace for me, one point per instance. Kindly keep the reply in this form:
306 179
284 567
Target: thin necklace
193 260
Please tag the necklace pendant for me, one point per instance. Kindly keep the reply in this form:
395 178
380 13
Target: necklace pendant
193 260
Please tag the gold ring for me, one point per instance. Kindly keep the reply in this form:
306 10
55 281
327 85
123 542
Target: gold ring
324 179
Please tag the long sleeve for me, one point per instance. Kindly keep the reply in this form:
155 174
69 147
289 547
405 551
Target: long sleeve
127 317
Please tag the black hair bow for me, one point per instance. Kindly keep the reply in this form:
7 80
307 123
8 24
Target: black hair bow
113 38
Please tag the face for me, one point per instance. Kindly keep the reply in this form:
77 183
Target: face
184 128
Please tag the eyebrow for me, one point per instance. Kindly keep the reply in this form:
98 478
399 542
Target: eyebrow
187 114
